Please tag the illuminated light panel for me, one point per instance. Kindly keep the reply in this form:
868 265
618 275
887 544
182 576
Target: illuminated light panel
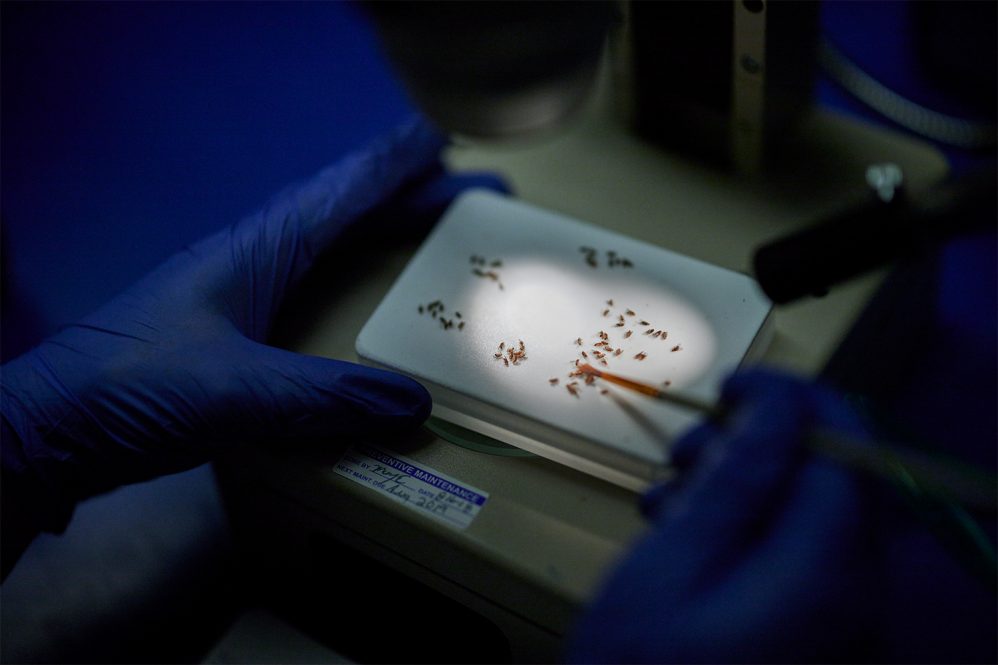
550 297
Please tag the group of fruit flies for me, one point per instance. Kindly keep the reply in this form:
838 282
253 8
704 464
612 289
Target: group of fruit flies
612 260
486 269
435 310
602 350
511 355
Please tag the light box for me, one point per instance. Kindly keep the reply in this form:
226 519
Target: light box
497 272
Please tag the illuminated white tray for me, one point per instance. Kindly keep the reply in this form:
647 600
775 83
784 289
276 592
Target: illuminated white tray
506 271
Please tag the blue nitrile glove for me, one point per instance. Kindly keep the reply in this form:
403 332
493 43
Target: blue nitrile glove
176 369
757 552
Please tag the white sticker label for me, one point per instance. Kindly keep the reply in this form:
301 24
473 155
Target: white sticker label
424 490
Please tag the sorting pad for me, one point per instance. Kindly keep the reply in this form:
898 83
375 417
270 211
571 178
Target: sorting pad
492 309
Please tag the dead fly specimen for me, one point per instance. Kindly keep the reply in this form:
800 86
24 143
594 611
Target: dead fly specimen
612 260
489 274
486 274
511 355
435 309
482 261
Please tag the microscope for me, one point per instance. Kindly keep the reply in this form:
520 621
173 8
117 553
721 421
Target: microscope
696 122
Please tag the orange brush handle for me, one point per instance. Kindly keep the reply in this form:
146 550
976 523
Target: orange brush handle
652 391
621 381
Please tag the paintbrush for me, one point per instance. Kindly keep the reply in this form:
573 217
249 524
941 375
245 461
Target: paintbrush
706 408
937 489
946 479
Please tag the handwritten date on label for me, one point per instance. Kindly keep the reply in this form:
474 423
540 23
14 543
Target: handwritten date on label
419 488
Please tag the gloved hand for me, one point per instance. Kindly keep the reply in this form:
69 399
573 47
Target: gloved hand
757 551
176 369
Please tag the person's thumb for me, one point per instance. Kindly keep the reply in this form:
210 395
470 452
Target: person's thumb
299 397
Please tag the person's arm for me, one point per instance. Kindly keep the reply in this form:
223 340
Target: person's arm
177 369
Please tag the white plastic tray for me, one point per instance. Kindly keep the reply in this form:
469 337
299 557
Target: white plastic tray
514 272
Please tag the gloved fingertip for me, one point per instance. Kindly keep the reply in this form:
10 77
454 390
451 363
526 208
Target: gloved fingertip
388 400
482 180
787 401
298 396
687 448
419 135
833 410
424 201
651 502
435 194
746 383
